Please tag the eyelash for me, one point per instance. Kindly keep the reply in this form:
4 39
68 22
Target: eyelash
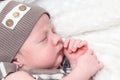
44 39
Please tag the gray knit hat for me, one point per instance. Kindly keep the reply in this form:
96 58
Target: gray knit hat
16 23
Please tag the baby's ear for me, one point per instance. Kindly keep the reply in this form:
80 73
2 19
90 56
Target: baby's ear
17 60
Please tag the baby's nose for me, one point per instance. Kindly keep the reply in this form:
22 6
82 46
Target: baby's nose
57 39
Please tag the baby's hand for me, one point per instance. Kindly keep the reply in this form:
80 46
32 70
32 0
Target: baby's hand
89 64
73 49
86 67
72 45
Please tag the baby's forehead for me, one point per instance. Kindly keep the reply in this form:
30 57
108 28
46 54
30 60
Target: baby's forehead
43 24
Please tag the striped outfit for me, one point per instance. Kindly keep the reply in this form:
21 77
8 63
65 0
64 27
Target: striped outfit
39 74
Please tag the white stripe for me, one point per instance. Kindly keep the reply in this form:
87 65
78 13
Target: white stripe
3 78
47 76
15 20
57 76
3 70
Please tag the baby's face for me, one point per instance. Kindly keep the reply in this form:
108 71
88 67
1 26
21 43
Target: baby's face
43 48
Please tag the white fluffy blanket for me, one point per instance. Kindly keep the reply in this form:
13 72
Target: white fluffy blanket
97 21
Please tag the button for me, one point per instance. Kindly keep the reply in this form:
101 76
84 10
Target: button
9 22
22 8
16 14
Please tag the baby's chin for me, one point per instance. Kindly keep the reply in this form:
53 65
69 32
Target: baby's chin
58 61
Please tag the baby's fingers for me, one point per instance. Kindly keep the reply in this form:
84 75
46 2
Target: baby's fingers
66 43
82 43
76 45
69 44
72 45
79 44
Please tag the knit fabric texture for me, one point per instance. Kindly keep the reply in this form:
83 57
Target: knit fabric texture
11 39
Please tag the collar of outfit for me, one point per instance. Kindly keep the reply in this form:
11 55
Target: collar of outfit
7 68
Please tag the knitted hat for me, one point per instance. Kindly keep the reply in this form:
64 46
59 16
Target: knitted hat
16 23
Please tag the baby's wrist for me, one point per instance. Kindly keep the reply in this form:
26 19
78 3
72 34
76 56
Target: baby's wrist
73 64
82 72
76 74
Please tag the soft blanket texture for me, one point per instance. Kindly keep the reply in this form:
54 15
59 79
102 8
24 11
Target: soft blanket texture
97 21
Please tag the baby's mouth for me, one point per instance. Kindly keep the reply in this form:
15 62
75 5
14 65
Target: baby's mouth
59 49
